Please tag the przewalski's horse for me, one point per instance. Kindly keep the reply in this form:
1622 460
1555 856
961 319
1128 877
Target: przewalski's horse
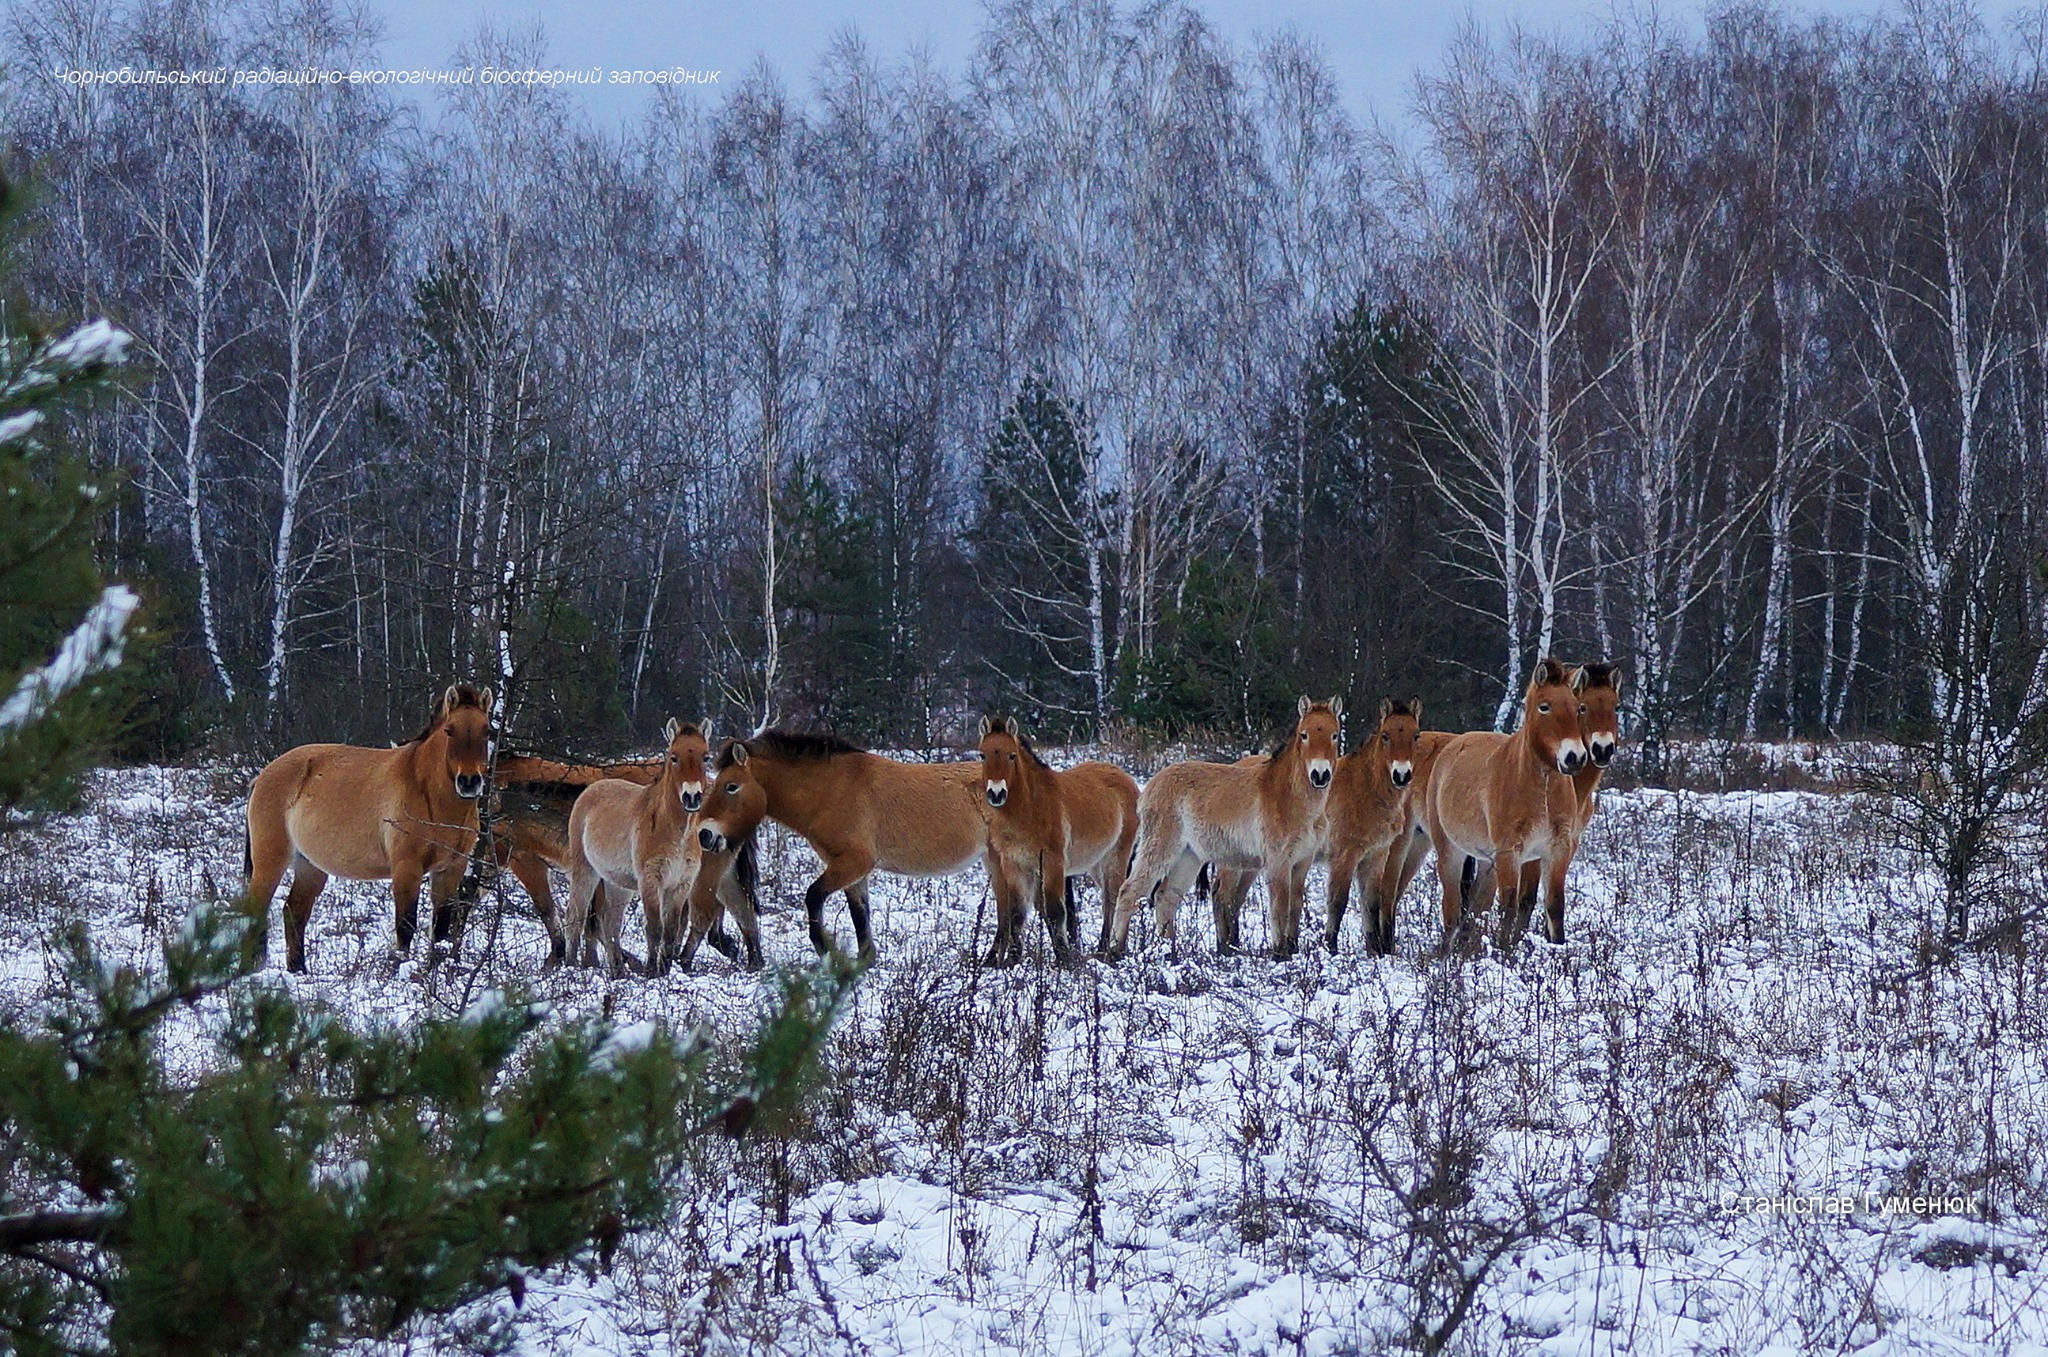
1499 801
719 861
864 813
535 796
1599 690
1270 817
1369 811
625 837
402 815
1048 827
1403 858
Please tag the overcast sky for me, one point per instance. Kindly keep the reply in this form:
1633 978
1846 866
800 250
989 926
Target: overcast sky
1375 45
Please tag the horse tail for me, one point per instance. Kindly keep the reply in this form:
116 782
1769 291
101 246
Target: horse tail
248 861
1202 883
746 869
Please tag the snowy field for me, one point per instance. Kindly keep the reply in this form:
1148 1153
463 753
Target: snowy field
1731 1116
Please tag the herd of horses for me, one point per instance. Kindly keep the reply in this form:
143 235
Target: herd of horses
1504 814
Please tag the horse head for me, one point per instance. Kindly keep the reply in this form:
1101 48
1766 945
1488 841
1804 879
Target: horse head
1599 690
465 717
737 803
1318 738
1002 758
1400 723
682 767
1550 718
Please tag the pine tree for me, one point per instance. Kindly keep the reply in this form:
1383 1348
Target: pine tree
62 631
312 1184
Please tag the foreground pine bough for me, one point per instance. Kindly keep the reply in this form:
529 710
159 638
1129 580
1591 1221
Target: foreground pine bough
315 1182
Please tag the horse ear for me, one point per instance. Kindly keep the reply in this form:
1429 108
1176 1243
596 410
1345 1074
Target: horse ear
1415 709
738 752
1614 680
448 698
1549 671
483 698
1336 705
1579 679
1010 726
986 726
1301 706
1386 707
668 732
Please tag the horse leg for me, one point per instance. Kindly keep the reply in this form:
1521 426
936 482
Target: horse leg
1139 886
1166 900
307 883
1343 867
1227 890
1111 874
738 903
1053 900
654 909
1507 880
1412 850
1454 874
450 918
1553 902
576 922
1283 912
1003 887
611 924
532 873
267 854
1394 876
842 872
1531 885
406 874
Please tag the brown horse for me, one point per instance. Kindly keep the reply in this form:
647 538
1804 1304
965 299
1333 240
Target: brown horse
1498 801
1599 690
1048 827
864 813
531 833
719 862
1272 817
402 815
1369 811
625 837
1403 858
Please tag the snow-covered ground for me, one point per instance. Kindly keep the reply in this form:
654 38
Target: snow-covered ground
1678 1133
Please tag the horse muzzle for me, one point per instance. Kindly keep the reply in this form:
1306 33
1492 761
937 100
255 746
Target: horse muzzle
469 786
693 796
1571 756
1602 752
1401 773
710 840
999 794
1319 774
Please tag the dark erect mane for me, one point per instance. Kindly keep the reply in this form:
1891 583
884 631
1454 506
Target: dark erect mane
466 695
1599 675
996 723
1398 706
801 744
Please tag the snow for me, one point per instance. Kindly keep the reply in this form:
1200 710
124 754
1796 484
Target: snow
94 646
91 344
1170 1156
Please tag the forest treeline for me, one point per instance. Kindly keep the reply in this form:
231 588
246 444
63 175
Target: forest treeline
1121 378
